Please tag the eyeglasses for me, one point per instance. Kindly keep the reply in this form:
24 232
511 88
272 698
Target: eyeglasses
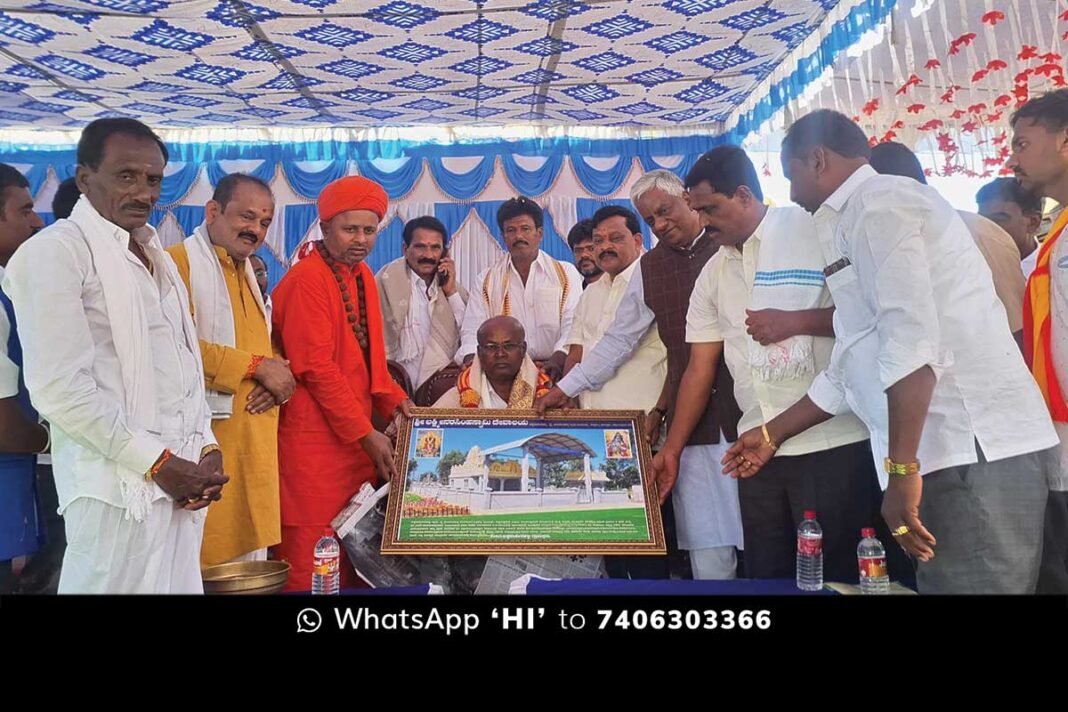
508 348
260 272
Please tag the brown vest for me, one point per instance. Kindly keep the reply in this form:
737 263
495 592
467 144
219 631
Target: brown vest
668 276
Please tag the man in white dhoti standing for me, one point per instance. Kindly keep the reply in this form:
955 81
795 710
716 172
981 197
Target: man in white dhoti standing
112 362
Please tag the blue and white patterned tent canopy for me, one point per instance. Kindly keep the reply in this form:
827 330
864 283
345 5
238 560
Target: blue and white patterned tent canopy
452 105
370 63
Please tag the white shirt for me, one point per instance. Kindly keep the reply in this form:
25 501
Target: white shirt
175 365
420 312
535 304
721 295
495 401
705 502
916 292
72 368
638 382
9 372
633 320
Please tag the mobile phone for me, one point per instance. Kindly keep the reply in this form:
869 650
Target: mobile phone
442 277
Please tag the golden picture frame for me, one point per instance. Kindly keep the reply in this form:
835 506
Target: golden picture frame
472 481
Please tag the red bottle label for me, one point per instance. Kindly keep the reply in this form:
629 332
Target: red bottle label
872 566
325 565
809 546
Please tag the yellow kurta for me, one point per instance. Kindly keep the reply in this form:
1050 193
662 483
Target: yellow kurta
247 517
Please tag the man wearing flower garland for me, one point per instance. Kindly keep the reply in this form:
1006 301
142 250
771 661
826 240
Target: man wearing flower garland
503 376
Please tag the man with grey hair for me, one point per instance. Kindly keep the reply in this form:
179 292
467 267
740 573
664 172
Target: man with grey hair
706 507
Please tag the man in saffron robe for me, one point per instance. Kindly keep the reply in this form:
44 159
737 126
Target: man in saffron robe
244 380
328 324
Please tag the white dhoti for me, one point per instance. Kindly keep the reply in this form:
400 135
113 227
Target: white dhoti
714 563
110 553
708 518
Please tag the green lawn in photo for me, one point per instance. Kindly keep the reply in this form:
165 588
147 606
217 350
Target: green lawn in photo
622 524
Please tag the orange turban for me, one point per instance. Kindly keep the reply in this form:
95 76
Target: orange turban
352 193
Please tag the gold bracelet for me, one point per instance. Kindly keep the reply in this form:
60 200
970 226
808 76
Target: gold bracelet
767 438
902 468
208 449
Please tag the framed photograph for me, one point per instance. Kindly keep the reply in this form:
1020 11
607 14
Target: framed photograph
506 481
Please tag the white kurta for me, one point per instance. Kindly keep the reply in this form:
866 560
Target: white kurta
638 382
707 512
74 377
416 331
535 304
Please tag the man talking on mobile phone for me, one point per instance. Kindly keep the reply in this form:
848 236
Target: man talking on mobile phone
422 304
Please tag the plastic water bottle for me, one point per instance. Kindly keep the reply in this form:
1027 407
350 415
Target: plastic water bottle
871 558
326 569
810 553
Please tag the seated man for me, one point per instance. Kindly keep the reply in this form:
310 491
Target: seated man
503 376
422 303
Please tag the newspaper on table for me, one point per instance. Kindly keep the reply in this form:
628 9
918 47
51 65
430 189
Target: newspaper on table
501 571
359 527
